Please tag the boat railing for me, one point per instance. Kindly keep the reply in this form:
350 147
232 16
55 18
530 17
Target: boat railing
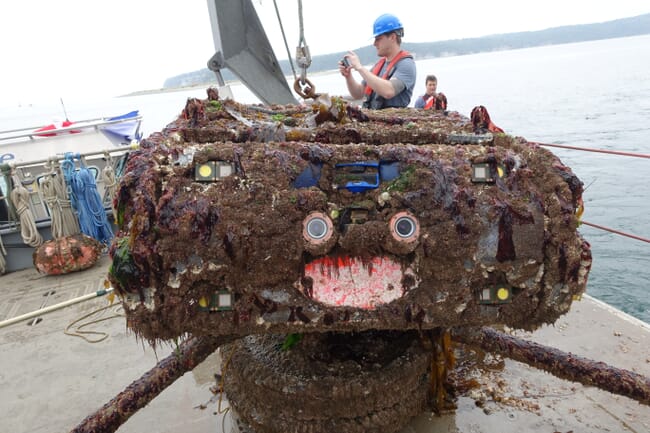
117 151
33 132
33 173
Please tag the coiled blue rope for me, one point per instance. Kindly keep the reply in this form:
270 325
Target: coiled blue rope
85 199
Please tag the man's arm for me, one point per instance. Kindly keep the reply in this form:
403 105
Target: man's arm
355 88
384 88
405 71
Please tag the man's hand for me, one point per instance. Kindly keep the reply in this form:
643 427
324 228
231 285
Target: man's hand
355 63
346 71
352 63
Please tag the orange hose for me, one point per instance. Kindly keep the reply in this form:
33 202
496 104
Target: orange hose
639 238
588 149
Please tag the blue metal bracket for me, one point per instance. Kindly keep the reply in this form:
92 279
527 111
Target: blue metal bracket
357 186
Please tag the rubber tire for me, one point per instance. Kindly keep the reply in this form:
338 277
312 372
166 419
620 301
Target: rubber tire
365 382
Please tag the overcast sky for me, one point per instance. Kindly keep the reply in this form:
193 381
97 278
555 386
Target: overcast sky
84 49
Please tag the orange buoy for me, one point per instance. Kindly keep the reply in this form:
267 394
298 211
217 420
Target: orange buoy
67 254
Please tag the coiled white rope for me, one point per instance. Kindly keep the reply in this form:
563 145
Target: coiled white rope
110 183
3 253
20 198
64 220
49 194
70 222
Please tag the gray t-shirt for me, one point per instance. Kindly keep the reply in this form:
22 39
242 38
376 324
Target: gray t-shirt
403 80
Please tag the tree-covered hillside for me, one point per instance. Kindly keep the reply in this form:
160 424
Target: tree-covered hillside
559 35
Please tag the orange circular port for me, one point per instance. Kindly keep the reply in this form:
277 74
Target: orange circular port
317 228
404 227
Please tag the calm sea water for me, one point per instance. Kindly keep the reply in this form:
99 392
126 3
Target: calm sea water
592 94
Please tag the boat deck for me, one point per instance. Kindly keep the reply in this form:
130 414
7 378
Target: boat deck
51 381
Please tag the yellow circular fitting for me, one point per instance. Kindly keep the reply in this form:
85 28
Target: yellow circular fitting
205 170
503 293
203 302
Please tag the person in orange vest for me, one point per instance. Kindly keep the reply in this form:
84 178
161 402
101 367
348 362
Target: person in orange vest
391 81
431 100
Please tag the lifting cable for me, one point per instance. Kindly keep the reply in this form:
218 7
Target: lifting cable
611 152
303 58
302 86
284 37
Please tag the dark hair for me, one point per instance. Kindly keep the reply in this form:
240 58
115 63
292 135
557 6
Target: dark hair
431 78
398 35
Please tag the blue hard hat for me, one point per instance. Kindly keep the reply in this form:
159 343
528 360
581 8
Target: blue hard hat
386 23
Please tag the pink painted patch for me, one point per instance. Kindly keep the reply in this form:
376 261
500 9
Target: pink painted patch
351 282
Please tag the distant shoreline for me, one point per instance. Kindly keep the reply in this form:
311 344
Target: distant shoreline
620 28
200 86
170 89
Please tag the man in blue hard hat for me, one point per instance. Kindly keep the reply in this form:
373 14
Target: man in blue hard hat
391 81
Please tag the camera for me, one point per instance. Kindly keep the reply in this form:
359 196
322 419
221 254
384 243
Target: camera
345 62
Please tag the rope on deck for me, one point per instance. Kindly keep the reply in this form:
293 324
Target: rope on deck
85 198
64 221
20 197
3 253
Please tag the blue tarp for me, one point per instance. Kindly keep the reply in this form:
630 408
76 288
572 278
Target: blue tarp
125 130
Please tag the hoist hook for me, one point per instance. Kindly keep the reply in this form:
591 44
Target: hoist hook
303 86
306 89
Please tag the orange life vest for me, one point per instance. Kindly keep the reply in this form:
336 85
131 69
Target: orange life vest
438 102
389 70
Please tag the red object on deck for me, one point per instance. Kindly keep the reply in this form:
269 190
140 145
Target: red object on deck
54 127
67 254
